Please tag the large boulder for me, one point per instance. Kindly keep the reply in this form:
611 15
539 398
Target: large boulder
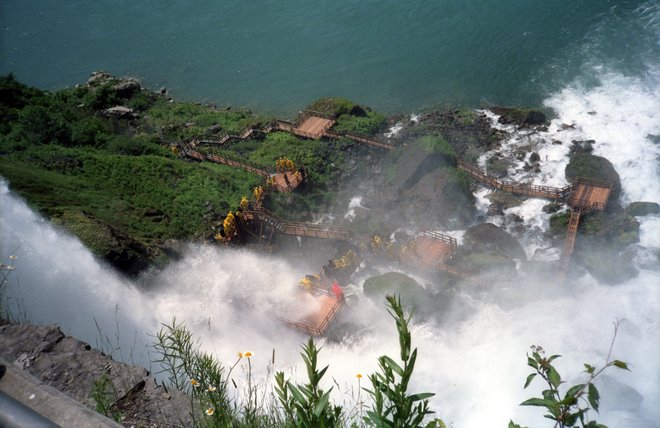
640 209
519 116
393 283
591 166
487 237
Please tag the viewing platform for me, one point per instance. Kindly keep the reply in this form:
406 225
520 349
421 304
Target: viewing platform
317 321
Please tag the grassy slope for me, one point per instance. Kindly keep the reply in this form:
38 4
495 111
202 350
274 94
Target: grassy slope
100 176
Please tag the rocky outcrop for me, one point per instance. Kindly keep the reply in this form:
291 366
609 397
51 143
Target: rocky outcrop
119 112
640 209
73 367
587 165
488 237
123 252
519 116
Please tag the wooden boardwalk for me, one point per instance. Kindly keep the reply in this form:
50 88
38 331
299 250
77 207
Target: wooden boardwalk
589 194
295 228
316 323
533 190
285 181
569 243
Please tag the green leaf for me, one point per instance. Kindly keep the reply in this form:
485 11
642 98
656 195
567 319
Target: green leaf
320 406
589 368
538 402
620 364
574 390
553 377
296 394
529 379
532 362
593 396
553 357
392 365
513 425
421 396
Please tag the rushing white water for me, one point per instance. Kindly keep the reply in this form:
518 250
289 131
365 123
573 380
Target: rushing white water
473 357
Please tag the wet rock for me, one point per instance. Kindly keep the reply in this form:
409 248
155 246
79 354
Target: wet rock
596 167
519 116
640 209
489 237
534 157
579 146
377 287
551 208
498 167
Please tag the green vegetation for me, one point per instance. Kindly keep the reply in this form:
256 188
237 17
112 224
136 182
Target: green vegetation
392 405
307 405
111 180
104 395
573 406
351 118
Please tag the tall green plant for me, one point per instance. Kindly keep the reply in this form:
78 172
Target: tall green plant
572 407
197 373
393 406
308 405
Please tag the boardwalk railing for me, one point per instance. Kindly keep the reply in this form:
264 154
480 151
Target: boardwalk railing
299 228
513 187
440 237
315 330
189 151
569 243
358 139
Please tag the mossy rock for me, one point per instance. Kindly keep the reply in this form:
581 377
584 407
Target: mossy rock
607 264
126 254
482 261
640 209
519 116
394 283
488 238
611 230
504 200
590 166
498 167
334 107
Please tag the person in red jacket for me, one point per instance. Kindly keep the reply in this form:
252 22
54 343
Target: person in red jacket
339 293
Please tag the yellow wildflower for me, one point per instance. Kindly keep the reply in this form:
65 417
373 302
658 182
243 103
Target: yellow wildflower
246 354
210 411
194 383
359 375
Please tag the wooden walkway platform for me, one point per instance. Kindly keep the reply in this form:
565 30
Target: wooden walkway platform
317 322
313 127
533 190
589 194
285 181
286 227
